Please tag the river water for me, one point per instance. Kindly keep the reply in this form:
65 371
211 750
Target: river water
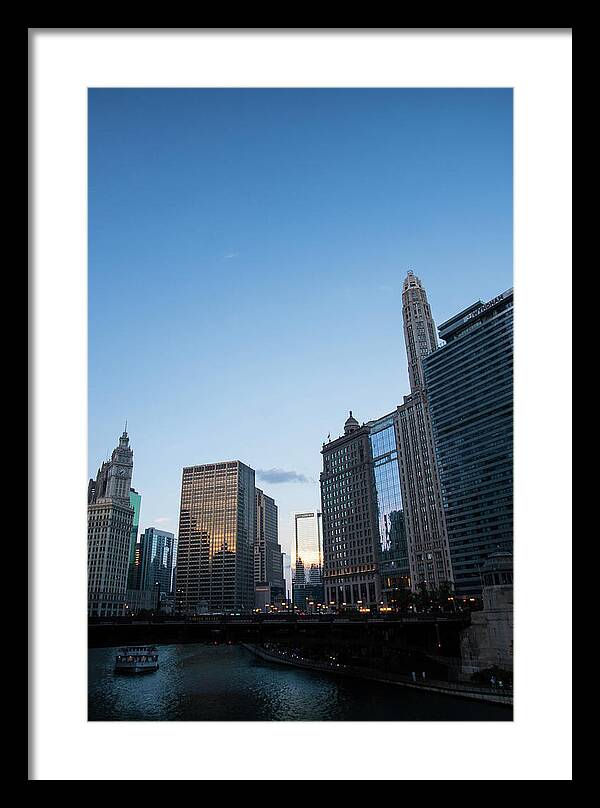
197 682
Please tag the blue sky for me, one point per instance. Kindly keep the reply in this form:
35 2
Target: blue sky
246 256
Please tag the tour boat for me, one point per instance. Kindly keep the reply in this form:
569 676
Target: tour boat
136 659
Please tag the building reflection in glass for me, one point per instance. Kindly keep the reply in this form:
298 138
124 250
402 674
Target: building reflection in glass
157 560
393 566
307 573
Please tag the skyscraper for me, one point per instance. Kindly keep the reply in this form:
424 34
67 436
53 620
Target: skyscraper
429 555
299 578
428 551
351 551
307 573
419 329
110 521
308 539
394 566
268 558
314 575
157 560
470 391
135 500
217 527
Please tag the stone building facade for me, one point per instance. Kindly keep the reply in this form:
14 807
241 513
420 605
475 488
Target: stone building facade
350 531
428 550
110 522
488 641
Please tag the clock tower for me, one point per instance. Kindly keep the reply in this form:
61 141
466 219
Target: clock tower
110 523
120 470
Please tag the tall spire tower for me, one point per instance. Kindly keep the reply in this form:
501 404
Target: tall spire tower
426 532
120 470
419 329
110 523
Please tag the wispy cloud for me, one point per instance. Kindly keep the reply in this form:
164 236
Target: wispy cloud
228 256
162 520
281 476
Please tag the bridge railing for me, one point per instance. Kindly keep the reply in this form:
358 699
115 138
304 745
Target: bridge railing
286 619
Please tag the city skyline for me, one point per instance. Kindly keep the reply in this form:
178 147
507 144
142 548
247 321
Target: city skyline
380 559
431 190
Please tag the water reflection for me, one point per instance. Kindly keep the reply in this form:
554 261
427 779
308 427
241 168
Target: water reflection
199 682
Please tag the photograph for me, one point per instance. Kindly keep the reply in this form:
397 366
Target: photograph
300 346
290 297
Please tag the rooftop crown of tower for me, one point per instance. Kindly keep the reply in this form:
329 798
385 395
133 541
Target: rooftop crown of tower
411 281
351 424
419 329
124 439
119 470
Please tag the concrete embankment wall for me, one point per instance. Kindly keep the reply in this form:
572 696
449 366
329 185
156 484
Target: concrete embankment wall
461 691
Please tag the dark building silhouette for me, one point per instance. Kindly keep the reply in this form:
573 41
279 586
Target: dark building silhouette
470 390
269 580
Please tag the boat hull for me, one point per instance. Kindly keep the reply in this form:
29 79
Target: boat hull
135 669
137 659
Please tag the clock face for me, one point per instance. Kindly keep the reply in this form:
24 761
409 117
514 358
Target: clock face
121 472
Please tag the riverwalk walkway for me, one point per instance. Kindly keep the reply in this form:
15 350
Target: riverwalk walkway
465 690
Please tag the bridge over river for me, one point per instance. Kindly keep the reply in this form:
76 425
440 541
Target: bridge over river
427 643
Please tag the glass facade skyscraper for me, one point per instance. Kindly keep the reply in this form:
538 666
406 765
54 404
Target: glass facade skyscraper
135 500
157 560
217 526
307 574
308 539
470 390
394 564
